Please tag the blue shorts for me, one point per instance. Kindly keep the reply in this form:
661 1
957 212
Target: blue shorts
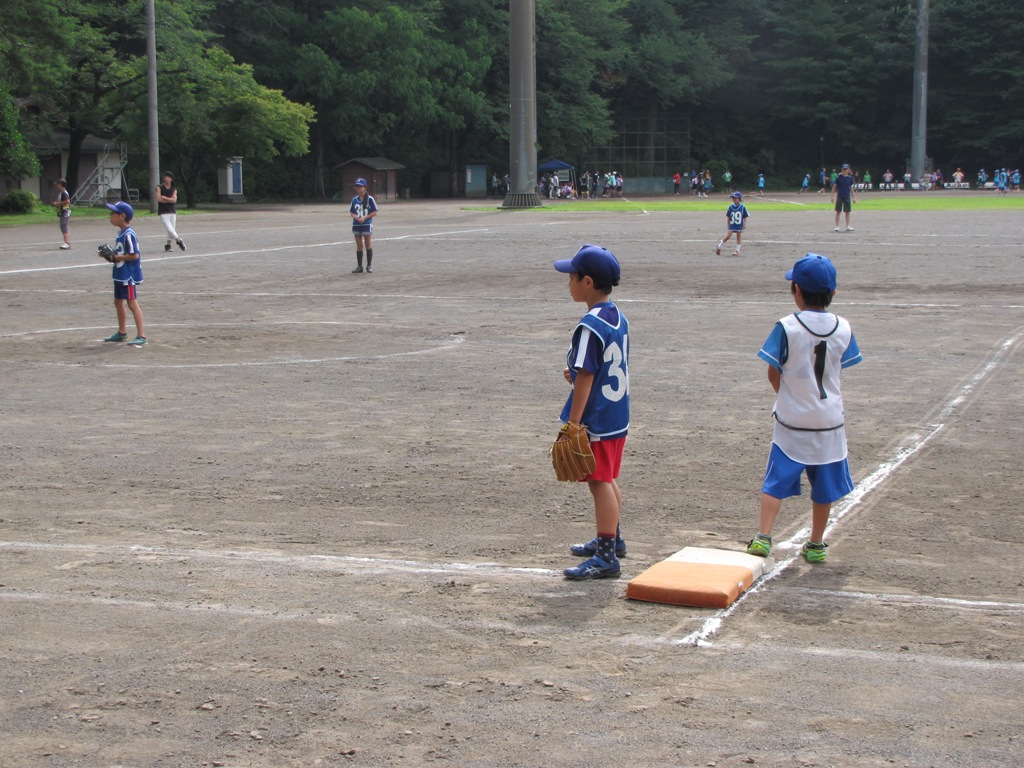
829 482
125 291
843 206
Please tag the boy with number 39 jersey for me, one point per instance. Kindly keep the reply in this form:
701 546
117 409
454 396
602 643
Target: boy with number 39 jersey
805 353
597 368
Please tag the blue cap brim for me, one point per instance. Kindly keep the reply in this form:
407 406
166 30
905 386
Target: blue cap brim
565 265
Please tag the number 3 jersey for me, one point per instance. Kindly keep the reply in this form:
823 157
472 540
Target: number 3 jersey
810 348
600 345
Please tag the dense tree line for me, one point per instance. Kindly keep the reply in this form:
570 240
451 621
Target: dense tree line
299 86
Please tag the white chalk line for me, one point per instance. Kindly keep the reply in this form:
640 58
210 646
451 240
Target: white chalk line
373 565
881 474
451 343
277 249
930 600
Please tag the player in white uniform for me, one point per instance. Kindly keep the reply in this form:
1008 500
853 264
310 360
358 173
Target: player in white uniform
805 353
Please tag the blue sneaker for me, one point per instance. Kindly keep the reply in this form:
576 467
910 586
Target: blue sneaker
117 337
594 568
138 341
589 548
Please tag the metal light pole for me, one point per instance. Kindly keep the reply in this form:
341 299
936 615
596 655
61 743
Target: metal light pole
154 131
919 129
523 107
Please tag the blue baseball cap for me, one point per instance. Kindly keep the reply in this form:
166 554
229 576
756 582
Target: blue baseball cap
595 261
814 273
122 207
360 182
737 194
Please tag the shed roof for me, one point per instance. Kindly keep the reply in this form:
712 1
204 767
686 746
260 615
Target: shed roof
377 163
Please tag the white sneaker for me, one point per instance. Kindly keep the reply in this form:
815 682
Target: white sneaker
849 229
837 229
65 247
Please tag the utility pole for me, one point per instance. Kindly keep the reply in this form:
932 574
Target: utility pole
919 128
523 107
154 130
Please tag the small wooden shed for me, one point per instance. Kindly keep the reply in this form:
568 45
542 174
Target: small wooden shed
380 173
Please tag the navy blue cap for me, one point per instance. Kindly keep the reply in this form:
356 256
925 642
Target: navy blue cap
595 261
122 207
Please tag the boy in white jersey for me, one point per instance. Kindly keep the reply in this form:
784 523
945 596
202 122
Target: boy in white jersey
805 353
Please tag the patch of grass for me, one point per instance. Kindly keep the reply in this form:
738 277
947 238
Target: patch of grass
49 216
904 201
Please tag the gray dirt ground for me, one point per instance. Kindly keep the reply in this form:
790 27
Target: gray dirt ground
313 523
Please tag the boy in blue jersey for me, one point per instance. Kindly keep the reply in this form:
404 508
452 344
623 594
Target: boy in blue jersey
598 371
736 216
362 210
127 274
805 353
760 185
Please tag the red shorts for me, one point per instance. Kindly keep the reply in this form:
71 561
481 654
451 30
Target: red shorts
608 459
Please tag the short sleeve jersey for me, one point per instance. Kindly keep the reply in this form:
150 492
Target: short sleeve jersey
600 345
363 206
736 214
842 187
128 272
809 349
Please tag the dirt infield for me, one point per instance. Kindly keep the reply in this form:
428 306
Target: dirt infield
312 523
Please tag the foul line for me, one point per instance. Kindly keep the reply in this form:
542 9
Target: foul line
370 564
884 471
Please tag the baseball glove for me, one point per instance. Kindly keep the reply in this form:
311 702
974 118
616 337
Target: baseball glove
571 456
106 252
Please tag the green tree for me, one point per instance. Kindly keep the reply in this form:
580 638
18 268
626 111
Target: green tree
16 157
841 71
217 110
976 83
581 48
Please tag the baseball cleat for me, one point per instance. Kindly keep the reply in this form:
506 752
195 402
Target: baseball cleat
814 553
357 270
760 545
589 548
594 568
181 243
